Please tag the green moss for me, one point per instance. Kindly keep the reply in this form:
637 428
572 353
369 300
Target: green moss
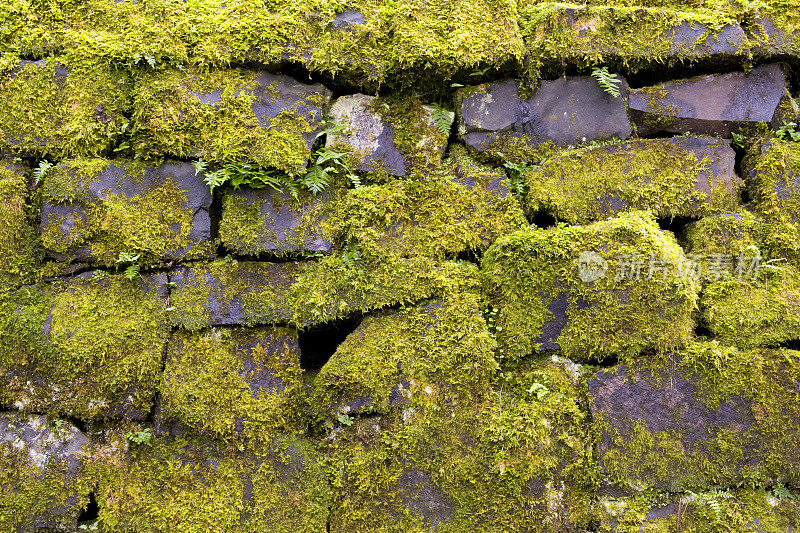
58 109
241 292
619 314
406 41
728 305
196 485
579 186
34 495
759 453
18 242
233 380
513 458
153 223
402 358
632 36
273 222
85 348
772 171
173 116
172 484
436 217
415 133
335 288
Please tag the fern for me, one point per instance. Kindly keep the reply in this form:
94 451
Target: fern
788 132
608 81
41 171
132 271
441 119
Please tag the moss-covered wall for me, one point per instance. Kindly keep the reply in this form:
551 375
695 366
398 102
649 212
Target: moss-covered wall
399 265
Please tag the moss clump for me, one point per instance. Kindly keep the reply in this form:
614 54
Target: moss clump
515 457
772 172
18 243
533 278
269 221
400 359
667 177
196 485
435 218
748 313
632 36
708 512
191 486
414 40
233 381
57 109
337 286
227 115
41 487
102 208
749 435
233 292
88 348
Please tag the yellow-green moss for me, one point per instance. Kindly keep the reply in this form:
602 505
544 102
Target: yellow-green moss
432 218
761 453
34 496
334 288
630 34
579 186
773 171
153 224
170 117
249 292
441 348
615 315
206 383
415 134
85 348
749 313
18 243
58 109
514 458
194 485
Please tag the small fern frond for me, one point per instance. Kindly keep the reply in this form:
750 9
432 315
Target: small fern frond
442 119
41 171
608 81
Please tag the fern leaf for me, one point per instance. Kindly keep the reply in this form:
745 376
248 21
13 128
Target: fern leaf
441 119
41 171
608 81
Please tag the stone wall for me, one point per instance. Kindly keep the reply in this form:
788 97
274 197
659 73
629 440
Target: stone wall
479 265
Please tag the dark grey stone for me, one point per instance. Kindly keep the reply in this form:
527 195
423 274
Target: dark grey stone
672 400
72 216
728 41
420 496
770 40
566 111
716 104
286 224
349 17
55 451
239 293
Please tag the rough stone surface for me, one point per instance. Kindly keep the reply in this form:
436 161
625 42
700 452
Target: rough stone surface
422 497
44 452
256 221
372 138
100 346
680 176
716 104
83 226
232 293
675 408
566 111
244 375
